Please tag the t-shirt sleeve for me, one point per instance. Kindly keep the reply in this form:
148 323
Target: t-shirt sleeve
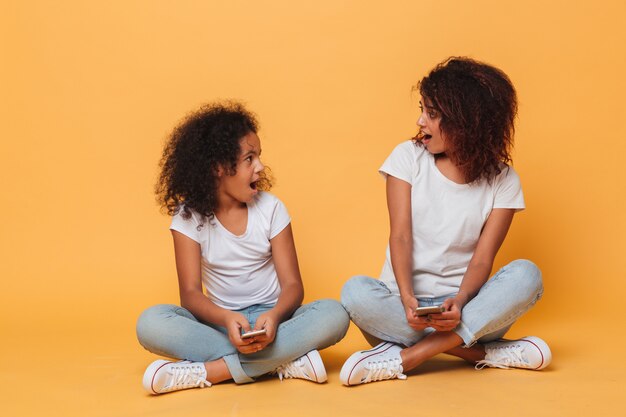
188 227
280 218
508 190
400 163
274 213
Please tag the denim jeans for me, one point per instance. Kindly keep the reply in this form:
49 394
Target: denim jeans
503 299
172 331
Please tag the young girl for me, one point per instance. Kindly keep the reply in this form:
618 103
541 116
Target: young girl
235 239
451 198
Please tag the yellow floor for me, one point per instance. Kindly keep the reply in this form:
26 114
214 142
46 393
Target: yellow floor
73 372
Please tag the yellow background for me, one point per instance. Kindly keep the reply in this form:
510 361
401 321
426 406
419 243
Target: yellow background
90 90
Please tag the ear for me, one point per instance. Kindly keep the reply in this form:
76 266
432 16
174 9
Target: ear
220 171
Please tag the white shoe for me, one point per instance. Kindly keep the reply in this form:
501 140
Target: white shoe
165 376
309 367
377 364
529 352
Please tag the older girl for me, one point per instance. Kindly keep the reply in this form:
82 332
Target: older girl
451 195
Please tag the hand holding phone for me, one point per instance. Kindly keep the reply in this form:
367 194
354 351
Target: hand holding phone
253 333
424 311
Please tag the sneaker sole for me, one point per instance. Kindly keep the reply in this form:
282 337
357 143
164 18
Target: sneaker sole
358 357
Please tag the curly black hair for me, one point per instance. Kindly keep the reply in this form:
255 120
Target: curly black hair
478 106
201 143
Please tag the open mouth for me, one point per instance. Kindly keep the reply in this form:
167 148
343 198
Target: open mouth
422 136
253 185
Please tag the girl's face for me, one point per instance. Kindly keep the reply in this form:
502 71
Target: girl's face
241 186
432 136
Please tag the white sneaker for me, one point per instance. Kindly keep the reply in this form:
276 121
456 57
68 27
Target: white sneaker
165 376
529 352
309 367
377 364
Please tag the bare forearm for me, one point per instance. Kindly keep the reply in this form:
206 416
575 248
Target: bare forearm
475 277
290 299
479 268
202 308
401 260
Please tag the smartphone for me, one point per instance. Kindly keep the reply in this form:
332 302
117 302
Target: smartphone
253 333
424 311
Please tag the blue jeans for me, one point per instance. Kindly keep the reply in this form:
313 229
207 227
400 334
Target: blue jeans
172 331
488 316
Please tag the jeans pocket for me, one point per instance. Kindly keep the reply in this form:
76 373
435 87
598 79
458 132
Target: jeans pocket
383 286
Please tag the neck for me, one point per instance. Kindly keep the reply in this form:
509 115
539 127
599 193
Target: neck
449 169
227 204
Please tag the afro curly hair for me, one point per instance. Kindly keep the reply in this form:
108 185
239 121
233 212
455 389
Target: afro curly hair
203 141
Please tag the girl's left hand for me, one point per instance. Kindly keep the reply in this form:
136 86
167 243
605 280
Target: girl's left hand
449 319
269 322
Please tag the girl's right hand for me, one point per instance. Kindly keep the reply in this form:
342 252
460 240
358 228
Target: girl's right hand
415 322
235 323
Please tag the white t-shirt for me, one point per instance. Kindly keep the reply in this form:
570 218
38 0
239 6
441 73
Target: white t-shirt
238 271
447 218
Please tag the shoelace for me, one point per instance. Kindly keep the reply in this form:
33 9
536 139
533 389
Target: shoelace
504 357
293 369
385 369
185 376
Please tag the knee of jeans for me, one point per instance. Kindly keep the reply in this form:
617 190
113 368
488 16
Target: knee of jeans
337 319
531 274
147 323
351 293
